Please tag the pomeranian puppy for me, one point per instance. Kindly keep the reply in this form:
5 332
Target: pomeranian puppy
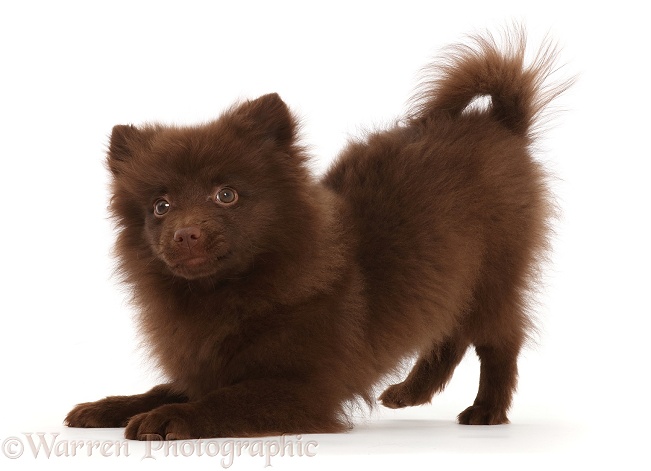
271 299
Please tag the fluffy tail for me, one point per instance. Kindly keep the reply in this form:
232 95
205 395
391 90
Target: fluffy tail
482 68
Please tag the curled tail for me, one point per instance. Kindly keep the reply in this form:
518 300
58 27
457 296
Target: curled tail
482 68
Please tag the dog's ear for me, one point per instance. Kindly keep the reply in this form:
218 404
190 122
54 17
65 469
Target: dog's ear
125 141
268 118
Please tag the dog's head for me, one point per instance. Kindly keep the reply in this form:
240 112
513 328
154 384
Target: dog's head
208 201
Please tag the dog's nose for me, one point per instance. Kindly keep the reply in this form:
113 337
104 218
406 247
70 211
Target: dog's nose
188 236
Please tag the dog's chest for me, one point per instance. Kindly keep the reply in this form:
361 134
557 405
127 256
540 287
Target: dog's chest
193 353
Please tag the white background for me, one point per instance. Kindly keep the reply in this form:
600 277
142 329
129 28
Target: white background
69 71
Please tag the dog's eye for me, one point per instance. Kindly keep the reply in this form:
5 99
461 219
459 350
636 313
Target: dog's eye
226 195
161 206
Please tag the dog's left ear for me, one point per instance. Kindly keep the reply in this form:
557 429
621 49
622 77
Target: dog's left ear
126 141
267 117
123 138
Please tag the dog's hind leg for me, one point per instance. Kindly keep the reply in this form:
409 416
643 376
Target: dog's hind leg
429 376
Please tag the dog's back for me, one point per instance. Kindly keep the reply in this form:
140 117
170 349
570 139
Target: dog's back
452 216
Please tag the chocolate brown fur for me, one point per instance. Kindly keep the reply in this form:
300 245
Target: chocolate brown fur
272 306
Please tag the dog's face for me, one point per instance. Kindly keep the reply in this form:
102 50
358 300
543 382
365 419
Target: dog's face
210 200
200 227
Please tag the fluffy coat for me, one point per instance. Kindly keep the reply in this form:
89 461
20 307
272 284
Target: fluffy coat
271 299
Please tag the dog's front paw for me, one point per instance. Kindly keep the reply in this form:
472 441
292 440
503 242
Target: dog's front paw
168 422
106 413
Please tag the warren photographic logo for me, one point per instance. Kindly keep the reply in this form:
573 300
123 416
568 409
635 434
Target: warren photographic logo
42 445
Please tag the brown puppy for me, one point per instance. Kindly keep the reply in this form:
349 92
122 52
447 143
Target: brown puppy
271 299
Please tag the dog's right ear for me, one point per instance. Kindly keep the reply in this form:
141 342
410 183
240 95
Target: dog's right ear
266 118
125 140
